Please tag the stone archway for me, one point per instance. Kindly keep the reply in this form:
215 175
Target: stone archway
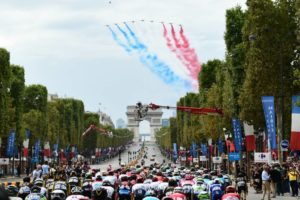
153 117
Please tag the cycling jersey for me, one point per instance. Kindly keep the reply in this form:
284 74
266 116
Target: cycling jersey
109 190
178 196
139 191
216 191
96 185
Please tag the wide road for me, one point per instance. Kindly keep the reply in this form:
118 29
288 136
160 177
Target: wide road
151 149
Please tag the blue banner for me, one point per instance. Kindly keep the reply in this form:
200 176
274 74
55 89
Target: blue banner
234 156
204 149
194 151
269 111
27 133
175 150
36 155
11 144
220 146
237 134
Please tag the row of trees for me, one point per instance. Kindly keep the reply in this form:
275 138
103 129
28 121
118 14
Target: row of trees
262 58
59 121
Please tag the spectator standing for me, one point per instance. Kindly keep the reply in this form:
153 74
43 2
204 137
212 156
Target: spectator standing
37 173
19 170
265 176
292 174
275 177
45 169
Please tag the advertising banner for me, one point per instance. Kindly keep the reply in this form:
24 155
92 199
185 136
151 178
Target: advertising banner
269 111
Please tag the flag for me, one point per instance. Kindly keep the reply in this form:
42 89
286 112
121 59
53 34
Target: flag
295 135
269 111
11 143
55 149
220 146
47 152
25 147
250 138
36 155
204 149
175 150
237 134
194 152
27 133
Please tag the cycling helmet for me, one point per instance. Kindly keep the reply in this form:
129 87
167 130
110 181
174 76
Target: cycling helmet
73 181
88 176
98 177
86 186
99 194
36 189
73 174
58 195
188 177
23 192
76 190
38 182
77 197
167 198
230 189
34 196
60 185
150 193
178 190
87 189
12 190
107 183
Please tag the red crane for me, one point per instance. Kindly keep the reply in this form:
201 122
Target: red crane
142 110
193 110
100 130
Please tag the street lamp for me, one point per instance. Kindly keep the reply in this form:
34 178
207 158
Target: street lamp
129 153
227 135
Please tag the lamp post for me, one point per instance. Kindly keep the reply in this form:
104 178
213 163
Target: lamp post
209 141
128 155
227 134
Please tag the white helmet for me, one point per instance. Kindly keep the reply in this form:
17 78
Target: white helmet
58 194
77 197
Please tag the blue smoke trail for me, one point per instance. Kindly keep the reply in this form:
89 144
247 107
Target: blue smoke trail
119 42
127 37
155 64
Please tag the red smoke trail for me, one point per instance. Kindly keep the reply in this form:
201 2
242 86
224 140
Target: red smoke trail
172 48
190 55
184 51
177 42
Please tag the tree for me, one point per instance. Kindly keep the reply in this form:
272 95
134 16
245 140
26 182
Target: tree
17 95
208 74
35 101
270 27
5 74
35 98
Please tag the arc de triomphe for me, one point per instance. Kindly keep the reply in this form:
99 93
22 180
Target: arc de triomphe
153 117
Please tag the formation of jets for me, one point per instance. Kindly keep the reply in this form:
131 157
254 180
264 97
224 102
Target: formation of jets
142 20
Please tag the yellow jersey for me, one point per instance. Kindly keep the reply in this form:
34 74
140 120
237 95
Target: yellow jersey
292 176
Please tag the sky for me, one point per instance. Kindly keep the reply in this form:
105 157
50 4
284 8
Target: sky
66 46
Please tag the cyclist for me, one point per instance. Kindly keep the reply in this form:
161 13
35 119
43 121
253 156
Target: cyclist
241 185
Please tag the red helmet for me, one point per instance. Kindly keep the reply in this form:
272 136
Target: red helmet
230 189
189 177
